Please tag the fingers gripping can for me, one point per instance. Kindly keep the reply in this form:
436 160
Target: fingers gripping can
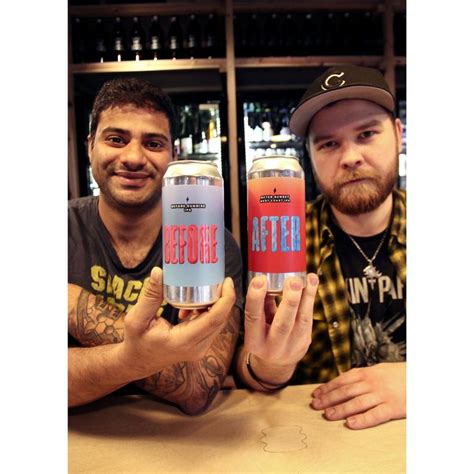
193 234
276 220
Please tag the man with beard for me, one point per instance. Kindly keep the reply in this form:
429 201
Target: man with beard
356 245
121 331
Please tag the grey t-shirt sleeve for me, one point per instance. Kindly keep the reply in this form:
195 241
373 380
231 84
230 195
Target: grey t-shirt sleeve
233 266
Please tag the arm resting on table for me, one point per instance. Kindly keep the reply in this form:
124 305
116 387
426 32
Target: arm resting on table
94 372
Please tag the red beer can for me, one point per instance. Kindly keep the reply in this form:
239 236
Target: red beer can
276 220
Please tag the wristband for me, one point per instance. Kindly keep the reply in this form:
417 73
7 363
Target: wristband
266 385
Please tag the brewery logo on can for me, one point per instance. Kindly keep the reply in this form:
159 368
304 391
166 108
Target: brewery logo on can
276 220
193 234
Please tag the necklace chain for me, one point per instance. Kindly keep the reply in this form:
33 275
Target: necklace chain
369 260
370 271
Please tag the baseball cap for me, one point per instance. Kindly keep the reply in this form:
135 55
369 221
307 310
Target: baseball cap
338 83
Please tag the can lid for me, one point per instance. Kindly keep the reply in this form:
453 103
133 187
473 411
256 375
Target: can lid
275 163
272 157
199 162
193 168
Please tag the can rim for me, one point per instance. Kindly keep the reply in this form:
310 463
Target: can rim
181 162
266 157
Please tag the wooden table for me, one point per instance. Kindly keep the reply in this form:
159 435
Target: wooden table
243 432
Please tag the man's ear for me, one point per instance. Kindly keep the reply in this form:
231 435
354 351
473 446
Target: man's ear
308 148
90 146
174 155
399 134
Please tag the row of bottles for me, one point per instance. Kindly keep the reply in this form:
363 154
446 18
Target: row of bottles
316 33
264 122
266 130
199 131
130 39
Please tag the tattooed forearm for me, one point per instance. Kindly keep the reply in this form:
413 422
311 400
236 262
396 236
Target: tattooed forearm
165 381
212 367
194 385
94 322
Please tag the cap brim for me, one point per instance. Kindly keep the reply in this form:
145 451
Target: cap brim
303 114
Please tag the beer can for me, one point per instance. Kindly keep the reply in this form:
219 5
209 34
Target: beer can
276 227
193 234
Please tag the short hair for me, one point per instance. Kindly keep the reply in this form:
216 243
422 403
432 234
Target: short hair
133 91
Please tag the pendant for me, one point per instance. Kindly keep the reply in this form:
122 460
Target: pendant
372 274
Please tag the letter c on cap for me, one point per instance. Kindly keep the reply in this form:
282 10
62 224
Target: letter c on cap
331 84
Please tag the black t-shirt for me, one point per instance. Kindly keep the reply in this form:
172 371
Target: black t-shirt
94 265
377 305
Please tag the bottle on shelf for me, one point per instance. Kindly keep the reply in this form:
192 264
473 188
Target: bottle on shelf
211 37
400 33
119 41
252 37
378 38
186 131
239 37
258 128
331 41
266 119
100 53
372 39
348 34
290 43
271 34
192 39
175 39
283 120
201 145
308 36
79 45
137 46
156 39
213 133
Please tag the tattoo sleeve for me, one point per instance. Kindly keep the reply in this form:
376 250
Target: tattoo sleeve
92 321
191 385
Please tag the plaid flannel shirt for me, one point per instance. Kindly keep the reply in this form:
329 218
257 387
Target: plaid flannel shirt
330 351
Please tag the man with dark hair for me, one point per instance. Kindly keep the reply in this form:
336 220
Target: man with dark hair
356 245
121 331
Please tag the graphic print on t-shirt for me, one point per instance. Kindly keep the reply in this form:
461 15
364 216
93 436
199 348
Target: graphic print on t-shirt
119 291
377 304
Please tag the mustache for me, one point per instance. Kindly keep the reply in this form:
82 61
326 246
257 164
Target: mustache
148 170
352 175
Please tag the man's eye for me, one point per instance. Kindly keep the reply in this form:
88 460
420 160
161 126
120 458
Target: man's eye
327 145
115 140
155 145
367 134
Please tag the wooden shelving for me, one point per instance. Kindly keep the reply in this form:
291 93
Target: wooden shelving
149 65
220 64
306 61
270 6
146 9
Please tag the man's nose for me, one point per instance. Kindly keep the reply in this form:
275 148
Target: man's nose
133 156
351 156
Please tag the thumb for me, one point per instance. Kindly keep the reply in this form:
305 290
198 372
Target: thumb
148 303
